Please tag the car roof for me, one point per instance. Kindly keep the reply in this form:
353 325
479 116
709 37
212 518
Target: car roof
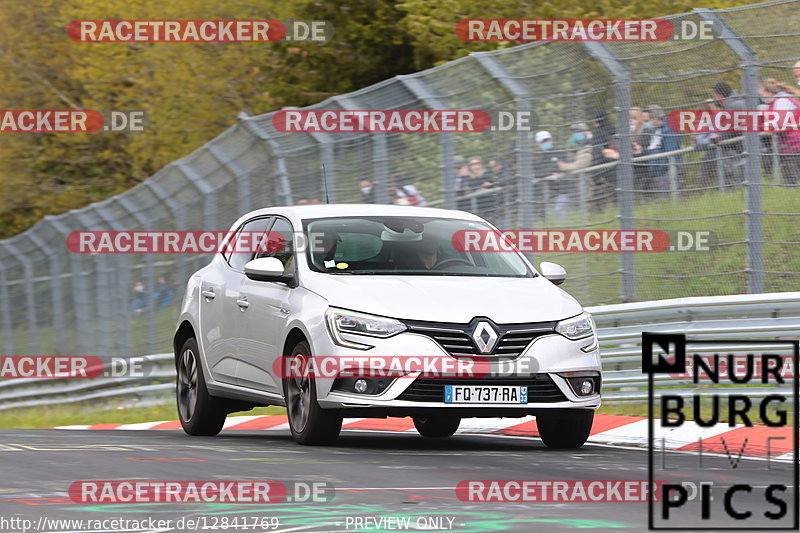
304 212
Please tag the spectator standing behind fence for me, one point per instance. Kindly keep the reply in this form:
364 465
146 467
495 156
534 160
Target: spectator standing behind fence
367 191
579 159
781 97
661 141
732 158
164 292
480 179
404 191
580 137
703 141
139 302
549 191
461 182
602 139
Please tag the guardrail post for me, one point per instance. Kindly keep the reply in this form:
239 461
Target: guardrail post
623 100
523 142
752 147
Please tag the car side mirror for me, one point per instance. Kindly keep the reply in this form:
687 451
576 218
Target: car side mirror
553 272
267 269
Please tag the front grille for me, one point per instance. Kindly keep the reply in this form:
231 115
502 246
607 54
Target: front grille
541 388
457 341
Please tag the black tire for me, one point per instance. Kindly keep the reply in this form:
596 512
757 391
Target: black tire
309 423
200 413
565 429
437 427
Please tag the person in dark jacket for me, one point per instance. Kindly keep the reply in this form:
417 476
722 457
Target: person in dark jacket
603 142
731 153
662 140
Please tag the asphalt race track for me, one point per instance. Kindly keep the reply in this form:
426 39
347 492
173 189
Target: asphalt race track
375 475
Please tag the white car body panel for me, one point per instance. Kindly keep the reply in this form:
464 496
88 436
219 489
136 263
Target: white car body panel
239 348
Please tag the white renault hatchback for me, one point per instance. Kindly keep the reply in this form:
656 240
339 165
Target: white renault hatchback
387 283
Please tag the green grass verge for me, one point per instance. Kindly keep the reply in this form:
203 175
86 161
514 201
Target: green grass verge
78 413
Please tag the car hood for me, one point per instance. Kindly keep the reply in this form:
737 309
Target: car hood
446 298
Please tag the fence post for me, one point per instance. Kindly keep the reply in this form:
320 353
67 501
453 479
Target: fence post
623 100
777 171
103 304
55 293
180 225
328 159
524 145
205 190
447 169
719 166
30 299
79 289
242 178
8 332
150 276
752 147
673 177
284 187
423 93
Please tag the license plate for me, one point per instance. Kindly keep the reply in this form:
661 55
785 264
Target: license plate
485 394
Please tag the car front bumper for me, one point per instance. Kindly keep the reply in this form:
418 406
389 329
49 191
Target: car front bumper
541 365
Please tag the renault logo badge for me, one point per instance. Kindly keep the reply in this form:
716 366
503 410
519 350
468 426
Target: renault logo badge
485 337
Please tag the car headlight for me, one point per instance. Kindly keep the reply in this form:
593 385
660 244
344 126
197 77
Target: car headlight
576 327
342 321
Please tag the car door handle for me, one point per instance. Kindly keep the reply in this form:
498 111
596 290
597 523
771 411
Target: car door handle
243 303
209 293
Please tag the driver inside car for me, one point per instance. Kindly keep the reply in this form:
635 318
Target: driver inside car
427 252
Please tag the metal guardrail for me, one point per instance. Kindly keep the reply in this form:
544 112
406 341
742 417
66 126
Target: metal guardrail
740 317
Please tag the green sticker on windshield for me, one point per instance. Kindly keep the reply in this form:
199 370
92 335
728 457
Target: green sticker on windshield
342 266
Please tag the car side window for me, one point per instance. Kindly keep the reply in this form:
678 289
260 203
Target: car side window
281 247
247 234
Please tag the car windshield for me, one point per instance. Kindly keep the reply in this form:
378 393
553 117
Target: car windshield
374 245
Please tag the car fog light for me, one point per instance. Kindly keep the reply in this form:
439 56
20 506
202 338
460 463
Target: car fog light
586 387
360 385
